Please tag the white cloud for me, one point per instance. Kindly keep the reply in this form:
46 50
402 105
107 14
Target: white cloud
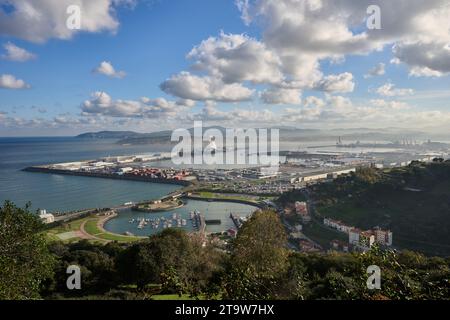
341 83
236 58
281 96
8 81
313 30
107 69
15 53
40 20
102 104
393 105
188 86
389 90
425 59
378 70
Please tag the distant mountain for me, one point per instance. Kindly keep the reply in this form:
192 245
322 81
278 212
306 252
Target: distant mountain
159 137
286 134
109 135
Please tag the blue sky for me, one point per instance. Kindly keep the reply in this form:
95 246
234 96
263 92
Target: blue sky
150 44
293 78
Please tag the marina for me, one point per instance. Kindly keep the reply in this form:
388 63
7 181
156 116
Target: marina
192 218
163 222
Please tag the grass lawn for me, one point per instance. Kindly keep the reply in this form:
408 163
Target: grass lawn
92 228
212 195
65 231
62 232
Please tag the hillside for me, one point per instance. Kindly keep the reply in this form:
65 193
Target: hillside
286 134
414 202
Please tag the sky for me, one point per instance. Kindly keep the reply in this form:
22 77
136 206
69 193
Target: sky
150 65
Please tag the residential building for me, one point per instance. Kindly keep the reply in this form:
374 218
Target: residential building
338 225
46 217
383 237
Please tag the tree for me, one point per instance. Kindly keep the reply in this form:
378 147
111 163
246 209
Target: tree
259 258
25 262
174 259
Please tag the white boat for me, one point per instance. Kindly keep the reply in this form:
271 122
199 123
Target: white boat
141 224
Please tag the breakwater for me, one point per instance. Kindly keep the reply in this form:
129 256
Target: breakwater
247 202
106 175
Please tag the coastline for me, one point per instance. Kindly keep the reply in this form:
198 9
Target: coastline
206 199
41 169
149 210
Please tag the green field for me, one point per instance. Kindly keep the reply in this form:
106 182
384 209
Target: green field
67 232
59 233
92 228
224 196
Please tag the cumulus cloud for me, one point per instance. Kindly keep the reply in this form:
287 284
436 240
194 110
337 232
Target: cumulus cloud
188 86
107 69
341 83
15 53
426 59
378 70
40 20
236 58
341 111
281 96
392 105
8 81
102 104
389 90
313 30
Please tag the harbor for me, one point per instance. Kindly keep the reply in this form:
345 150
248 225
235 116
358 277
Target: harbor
196 220
194 216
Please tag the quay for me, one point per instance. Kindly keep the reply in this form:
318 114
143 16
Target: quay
45 169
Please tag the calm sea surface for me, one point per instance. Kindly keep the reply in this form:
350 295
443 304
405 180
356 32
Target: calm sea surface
65 193
212 210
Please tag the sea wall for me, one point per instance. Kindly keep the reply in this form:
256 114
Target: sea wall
250 203
106 176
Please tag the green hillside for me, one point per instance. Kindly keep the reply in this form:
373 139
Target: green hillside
414 202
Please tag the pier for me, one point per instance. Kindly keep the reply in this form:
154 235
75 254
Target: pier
45 169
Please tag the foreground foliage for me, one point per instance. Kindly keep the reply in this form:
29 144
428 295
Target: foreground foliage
174 264
25 262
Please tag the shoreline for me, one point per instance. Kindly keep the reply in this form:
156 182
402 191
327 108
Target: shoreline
148 210
206 199
101 226
38 169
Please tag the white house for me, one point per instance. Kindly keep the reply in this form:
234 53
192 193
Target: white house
46 217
